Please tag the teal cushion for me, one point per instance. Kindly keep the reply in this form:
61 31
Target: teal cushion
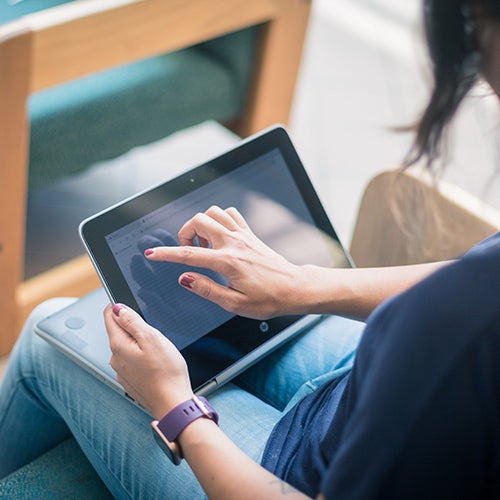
104 115
61 473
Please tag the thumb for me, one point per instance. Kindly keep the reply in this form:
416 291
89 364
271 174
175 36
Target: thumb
131 323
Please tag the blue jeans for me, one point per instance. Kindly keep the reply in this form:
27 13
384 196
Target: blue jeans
45 398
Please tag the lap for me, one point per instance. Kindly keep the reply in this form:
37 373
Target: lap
115 434
321 353
44 389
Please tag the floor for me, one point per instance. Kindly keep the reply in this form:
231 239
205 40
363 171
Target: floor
363 74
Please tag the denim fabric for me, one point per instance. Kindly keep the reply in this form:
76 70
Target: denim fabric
45 397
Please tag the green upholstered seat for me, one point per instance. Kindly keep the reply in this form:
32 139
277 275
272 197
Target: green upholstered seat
101 116
61 473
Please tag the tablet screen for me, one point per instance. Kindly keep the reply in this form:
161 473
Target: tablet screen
267 184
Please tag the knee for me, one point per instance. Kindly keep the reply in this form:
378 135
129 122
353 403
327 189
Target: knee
43 310
28 341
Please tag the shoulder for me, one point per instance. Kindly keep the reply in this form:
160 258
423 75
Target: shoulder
465 292
445 315
488 246
468 285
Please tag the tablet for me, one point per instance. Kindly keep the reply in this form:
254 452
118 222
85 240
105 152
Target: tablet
265 180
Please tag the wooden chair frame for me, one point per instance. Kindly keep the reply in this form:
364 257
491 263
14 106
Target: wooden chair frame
63 43
409 218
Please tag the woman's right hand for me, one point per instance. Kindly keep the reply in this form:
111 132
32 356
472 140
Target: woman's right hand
260 282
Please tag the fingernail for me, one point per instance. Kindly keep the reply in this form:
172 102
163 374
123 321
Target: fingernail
149 252
187 280
117 308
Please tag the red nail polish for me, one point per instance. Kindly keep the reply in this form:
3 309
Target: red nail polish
187 280
149 252
117 308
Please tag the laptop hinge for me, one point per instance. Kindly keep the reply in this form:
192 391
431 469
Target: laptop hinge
207 388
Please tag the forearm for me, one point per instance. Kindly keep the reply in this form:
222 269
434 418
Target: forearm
354 292
223 470
261 283
153 372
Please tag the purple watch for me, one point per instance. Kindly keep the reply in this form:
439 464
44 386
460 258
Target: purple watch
167 430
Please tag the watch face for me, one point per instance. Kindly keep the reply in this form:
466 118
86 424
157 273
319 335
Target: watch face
172 450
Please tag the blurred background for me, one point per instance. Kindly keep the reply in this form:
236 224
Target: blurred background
364 72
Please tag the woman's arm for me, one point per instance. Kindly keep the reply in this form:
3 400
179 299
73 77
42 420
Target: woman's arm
154 373
224 471
355 292
262 284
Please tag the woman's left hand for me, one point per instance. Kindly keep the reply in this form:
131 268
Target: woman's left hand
148 366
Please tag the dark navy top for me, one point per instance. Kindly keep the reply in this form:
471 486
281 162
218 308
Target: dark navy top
419 414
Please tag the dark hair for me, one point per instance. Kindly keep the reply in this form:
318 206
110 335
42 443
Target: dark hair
455 56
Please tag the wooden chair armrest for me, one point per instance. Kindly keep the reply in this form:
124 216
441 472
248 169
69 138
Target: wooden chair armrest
405 218
79 38
82 37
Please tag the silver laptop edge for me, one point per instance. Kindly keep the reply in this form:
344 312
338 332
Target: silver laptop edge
220 379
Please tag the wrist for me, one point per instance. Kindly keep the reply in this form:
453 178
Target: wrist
168 401
323 290
307 293
168 430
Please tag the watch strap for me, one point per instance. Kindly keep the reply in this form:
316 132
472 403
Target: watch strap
171 449
176 420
